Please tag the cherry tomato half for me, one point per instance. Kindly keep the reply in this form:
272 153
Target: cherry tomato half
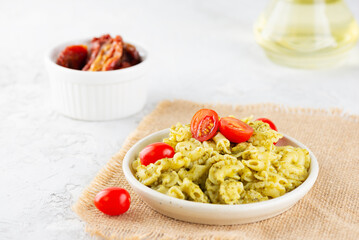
156 151
113 201
271 124
235 130
204 124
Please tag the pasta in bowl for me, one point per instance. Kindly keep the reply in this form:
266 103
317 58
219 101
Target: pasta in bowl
220 182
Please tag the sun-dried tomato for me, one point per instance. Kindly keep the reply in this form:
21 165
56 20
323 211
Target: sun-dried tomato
106 53
114 61
133 53
96 44
109 56
130 56
74 57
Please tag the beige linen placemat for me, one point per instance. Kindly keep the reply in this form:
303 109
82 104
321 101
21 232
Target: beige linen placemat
328 211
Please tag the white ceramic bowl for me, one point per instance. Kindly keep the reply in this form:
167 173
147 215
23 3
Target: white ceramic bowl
96 96
215 214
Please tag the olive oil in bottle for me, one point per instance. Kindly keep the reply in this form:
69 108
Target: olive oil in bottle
306 33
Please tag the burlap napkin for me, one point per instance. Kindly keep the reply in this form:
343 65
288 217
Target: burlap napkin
328 211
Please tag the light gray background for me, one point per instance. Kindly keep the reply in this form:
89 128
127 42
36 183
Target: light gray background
201 50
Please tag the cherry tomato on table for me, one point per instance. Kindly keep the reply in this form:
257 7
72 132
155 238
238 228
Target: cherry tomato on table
156 151
271 124
204 124
113 201
235 130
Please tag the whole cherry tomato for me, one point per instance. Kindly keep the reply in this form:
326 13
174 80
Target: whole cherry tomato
113 201
204 124
156 151
235 130
271 124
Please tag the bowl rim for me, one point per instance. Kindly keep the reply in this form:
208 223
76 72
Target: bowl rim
301 190
50 52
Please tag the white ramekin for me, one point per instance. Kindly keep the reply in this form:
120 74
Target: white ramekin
97 96
215 214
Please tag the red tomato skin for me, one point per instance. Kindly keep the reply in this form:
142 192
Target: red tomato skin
271 124
73 57
235 130
156 151
204 124
113 201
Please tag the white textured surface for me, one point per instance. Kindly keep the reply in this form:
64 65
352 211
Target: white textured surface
202 50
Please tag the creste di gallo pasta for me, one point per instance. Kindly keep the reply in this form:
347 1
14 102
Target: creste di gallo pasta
222 172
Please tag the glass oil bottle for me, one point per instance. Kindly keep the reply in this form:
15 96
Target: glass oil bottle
306 33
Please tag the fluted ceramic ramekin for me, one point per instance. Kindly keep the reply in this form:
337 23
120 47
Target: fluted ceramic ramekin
97 96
